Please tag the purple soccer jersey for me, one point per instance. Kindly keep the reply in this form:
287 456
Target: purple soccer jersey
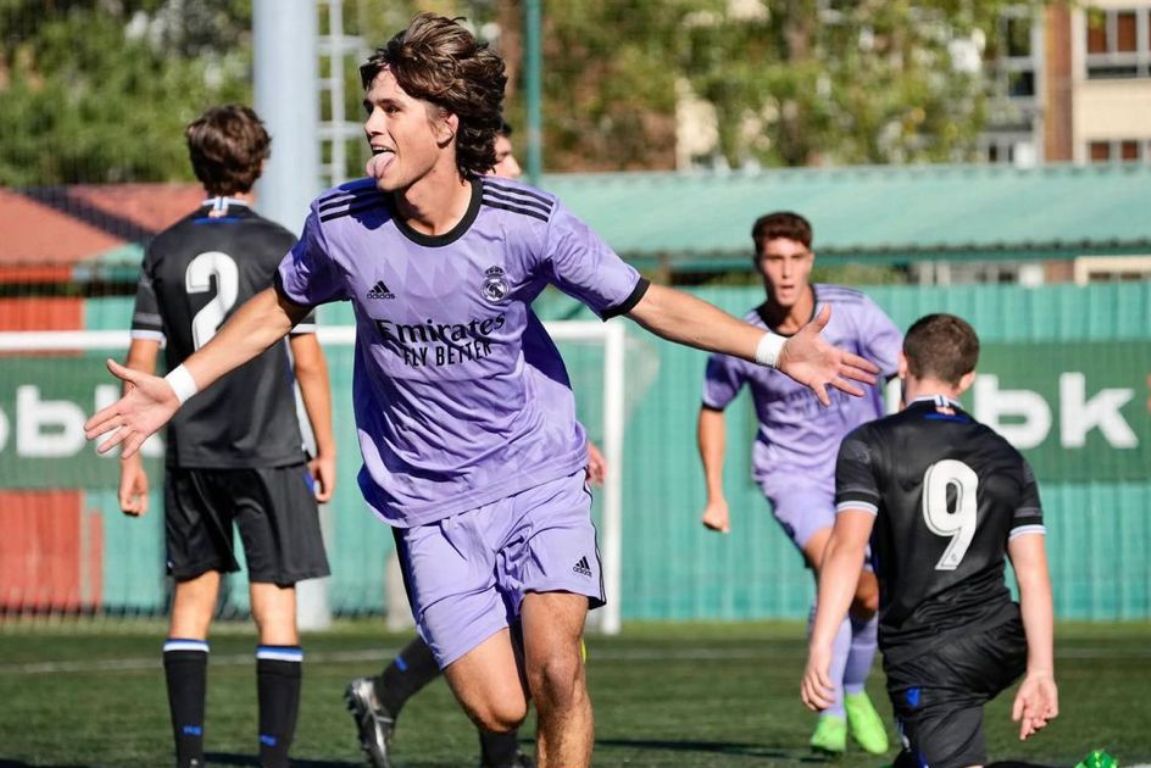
450 360
797 437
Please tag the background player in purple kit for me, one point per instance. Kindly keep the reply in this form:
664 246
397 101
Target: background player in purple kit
793 459
481 476
943 500
235 456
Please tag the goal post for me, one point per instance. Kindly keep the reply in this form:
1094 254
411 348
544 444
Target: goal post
609 414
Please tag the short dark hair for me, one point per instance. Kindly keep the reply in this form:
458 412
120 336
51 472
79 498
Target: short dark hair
439 61
941 346
781 224
228 146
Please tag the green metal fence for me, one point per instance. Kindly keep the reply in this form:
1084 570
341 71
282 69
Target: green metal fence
1065 373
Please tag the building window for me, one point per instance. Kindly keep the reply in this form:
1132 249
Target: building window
1112 269
1119 151
1118 44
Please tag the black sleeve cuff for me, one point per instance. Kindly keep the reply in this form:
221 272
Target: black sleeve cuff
712 408
629 303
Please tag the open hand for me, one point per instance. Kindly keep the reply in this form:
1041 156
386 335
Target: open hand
809 359
1036 702
148 405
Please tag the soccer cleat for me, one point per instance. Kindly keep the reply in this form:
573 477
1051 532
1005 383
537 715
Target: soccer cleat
830 736
864 723
1098 759
373 723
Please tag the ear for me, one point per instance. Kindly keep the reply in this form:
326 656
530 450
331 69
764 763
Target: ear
902 365
447 128
965 382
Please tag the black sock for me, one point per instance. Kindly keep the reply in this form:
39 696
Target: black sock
498 750
278 669
411 670
186 670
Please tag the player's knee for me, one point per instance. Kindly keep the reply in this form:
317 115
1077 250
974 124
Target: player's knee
866 600
501 716
557 679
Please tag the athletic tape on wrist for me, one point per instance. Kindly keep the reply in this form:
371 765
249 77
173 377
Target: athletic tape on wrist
767 352
182 383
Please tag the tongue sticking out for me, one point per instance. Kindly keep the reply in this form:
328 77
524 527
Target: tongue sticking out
377 164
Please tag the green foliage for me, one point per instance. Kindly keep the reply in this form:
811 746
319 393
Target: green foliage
841 82
101 91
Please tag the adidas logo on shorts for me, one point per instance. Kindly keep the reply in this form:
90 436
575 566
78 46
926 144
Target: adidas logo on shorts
380 291
582 567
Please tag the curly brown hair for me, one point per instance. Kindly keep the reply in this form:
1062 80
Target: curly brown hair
228 146
438 61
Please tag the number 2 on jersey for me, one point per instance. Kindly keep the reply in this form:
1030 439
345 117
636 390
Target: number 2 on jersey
959 523
198 279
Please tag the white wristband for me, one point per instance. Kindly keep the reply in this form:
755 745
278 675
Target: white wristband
182 383
767 352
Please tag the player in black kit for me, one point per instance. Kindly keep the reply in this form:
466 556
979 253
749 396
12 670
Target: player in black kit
942 499
234 454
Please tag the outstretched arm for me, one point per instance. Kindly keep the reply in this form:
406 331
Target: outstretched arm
712 437
805 357
1037 700
152 401
842 564
312 374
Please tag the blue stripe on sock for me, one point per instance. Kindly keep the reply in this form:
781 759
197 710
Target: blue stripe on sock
280 652
192 730
401 664
267 741
185 644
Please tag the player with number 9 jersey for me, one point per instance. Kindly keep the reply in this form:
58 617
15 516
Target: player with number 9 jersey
948 493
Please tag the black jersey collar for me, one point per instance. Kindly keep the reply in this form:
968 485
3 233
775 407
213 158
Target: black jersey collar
761 310
939 401
453 234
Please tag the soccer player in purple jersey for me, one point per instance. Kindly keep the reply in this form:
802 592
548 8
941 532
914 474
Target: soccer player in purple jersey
793 458
481 476
375 703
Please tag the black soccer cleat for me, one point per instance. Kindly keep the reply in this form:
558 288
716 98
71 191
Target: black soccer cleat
374 724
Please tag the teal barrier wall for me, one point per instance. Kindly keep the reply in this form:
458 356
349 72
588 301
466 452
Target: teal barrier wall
1078 358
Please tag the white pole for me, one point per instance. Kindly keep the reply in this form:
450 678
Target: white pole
614 396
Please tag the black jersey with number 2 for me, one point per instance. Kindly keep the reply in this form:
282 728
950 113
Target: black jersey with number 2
948 493
194 275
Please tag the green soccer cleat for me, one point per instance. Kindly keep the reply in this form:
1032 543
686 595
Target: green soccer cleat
830 736
1098 759
865 724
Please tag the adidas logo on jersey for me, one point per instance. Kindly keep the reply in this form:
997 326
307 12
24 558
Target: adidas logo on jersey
582 567
380 291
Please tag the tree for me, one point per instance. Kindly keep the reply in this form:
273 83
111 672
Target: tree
100 90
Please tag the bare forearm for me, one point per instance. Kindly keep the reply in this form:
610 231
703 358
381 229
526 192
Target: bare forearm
712 438
317 396
681 317
255 326
1035 604
838 576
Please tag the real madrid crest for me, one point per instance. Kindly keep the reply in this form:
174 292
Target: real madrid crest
495 288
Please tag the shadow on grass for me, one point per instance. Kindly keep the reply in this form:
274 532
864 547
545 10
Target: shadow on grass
717 748
231 758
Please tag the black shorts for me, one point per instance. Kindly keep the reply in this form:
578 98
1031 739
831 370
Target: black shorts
272 506
938 695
